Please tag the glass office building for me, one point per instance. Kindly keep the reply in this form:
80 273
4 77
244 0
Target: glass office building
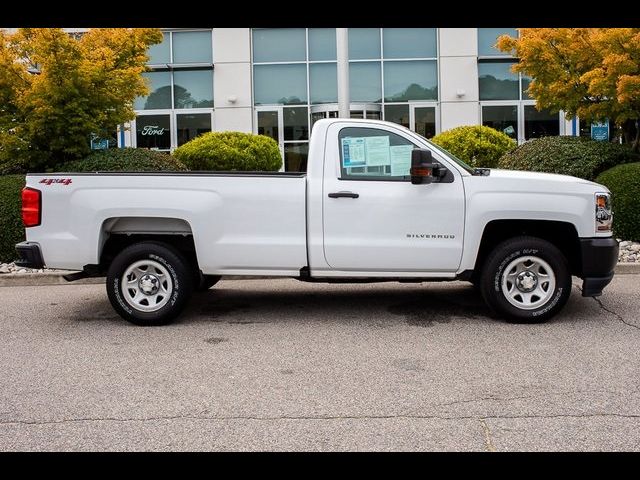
280 81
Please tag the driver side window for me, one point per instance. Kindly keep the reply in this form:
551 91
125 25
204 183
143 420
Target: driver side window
374 154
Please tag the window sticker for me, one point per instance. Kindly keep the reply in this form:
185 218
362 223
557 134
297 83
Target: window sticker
377 151
400 159
353 152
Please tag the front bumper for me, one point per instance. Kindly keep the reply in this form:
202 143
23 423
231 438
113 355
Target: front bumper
30 255
599 259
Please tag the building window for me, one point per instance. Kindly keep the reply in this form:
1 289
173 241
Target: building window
323 83
540 123
364 43
279 45
497 81
322 44
160 53
153 132
280 84
487 38
160 92
181 86
505 103
411 80
503 118
410 43
192 47
365 83
193 88
393 72
189 126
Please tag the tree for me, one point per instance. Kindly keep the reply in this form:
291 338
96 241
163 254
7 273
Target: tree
593 73
57 90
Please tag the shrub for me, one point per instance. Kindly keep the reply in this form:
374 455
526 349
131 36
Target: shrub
580 157
624 183
11 228
124 159
477 145
230 151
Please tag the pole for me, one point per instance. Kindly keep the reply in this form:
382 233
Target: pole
342 45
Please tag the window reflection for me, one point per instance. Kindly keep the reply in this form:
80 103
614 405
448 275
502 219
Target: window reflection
404 81
280 84
497 81
193 88
160 92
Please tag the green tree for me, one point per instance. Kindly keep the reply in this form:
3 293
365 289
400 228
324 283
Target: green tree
590 72
57 90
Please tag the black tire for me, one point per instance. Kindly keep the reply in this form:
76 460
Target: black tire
494 272
172 271
207 281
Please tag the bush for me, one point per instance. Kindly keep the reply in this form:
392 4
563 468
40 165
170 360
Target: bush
624 183
230 151
477 145
579 157
11 230
124 159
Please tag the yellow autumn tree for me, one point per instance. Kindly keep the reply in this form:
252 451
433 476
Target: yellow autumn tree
57 90
593 73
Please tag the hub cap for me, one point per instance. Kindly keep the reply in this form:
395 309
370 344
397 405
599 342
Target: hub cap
147 285
528 282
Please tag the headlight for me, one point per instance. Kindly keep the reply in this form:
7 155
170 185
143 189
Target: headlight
604 215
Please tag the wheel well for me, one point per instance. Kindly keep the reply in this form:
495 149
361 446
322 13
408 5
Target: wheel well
561 234
115 243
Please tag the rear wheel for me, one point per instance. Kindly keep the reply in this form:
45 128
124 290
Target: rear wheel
149 283
526 280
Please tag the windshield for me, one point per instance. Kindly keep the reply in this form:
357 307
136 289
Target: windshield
450 155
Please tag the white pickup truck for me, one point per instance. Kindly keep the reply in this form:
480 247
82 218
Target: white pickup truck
378 203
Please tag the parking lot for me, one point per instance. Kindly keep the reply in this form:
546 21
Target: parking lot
284 365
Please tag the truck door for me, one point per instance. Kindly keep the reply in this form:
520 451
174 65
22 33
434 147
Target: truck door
374 219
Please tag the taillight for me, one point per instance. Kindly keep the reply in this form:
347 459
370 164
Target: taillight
31 207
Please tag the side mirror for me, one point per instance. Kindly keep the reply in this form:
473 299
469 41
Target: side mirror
421 166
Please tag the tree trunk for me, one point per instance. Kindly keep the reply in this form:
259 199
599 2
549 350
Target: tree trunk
631 132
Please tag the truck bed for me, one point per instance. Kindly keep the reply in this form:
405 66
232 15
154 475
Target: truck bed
241 222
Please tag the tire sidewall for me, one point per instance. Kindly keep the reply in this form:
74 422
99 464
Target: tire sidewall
508 253
174 265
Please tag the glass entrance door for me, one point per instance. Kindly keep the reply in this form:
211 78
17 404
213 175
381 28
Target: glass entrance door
371 111
423 119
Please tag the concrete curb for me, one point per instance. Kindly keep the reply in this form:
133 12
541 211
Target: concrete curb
56 278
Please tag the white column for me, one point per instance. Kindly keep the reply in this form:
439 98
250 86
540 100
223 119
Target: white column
342 45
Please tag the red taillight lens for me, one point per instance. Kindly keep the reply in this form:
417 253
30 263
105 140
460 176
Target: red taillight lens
31 207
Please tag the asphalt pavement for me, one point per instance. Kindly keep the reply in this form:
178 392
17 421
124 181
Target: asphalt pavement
284 365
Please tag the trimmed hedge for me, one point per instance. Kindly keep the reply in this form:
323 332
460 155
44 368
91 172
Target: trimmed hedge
11 227
230 151
124 159
624 183
579 157
477 145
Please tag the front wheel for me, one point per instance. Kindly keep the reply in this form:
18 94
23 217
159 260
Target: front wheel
526 280
149 283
